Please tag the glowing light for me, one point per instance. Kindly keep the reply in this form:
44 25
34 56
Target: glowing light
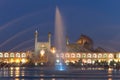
57 61
73 61
110 55
53 50
11 60
99 60
42 52
60 66
17 61
41 63
67 61
17 71
11 71
84 61
36 64
89 61
93 62
23 61
43 45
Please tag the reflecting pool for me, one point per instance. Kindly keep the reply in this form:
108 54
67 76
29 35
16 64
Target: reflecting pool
45 73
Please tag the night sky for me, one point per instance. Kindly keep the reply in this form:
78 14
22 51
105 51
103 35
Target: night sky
99 19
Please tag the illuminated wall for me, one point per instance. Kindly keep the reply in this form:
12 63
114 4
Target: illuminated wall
89 57
13 57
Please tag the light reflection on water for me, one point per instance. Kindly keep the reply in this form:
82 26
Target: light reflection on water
109 78
17 71
22 73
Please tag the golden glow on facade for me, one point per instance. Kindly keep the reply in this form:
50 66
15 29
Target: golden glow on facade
42 53
89 57
14 57
53 50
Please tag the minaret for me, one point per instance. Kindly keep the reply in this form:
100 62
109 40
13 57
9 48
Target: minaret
36 40
49 40
67 40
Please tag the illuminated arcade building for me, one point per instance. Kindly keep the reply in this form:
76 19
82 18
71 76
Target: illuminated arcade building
39 55
83 49
43 52
14 57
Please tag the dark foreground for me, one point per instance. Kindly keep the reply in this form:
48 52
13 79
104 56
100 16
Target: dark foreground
37 73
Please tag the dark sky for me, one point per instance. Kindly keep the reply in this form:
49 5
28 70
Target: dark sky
99 19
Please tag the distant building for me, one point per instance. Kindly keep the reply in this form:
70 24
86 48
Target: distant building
42 49
42 45
14 57
43 52
83 49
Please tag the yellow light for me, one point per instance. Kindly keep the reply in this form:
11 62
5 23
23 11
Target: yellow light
17 71
53 50
42 52
11 60
99 60
17 61
23 61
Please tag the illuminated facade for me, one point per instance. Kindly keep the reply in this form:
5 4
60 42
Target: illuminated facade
14 57
42 50
89 57
82 49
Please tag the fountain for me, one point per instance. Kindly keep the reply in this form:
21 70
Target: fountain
59 40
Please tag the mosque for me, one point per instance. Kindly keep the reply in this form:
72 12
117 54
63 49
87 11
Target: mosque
43 52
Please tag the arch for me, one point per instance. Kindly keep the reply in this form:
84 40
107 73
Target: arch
73 55
94 55
104 55
89 55
1 55
67 55
110 55
23 55
78 55
6 55
18 55
83 55
99 55
12 55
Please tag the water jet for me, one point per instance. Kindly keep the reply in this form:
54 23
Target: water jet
59 40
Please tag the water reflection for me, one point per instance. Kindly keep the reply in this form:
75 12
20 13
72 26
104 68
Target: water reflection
53 79
11 71
20 73
110 73
41 79
109 78
17 79
17 71
41 75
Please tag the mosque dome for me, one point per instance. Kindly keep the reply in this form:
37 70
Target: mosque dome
85 41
